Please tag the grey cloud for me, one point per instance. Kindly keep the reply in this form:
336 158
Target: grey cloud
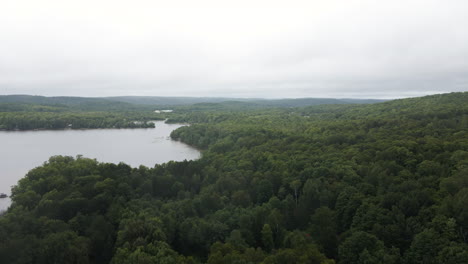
379 49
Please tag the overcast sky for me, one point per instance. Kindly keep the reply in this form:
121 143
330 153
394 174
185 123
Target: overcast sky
254 48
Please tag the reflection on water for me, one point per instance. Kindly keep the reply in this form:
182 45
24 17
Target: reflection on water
21 151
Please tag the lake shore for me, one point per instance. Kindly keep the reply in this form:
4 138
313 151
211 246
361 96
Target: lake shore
29 149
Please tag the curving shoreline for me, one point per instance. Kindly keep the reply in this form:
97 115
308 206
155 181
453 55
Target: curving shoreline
134 147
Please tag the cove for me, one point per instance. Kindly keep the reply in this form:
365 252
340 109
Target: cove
21 151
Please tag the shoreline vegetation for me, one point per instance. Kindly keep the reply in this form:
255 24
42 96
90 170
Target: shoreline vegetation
19 121
350 183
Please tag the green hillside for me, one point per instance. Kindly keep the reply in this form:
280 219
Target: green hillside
26 112
343 183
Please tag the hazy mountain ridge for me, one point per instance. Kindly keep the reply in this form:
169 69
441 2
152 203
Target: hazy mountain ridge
177 101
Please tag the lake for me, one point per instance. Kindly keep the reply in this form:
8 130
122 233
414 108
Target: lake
21 151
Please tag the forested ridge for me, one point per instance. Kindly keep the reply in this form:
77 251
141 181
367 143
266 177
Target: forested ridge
139 101
70 120
26 112
32 113
380 183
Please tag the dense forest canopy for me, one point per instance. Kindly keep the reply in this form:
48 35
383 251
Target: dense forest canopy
378 183
38 112
26 112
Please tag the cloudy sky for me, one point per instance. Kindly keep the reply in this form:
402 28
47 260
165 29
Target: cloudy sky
242 48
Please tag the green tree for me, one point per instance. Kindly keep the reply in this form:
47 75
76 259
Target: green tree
267 238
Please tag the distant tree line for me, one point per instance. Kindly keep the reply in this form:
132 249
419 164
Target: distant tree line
28 116
47 120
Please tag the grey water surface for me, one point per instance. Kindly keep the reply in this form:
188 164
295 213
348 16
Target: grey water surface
21 151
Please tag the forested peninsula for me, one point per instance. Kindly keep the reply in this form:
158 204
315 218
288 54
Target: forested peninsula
39 113
333 183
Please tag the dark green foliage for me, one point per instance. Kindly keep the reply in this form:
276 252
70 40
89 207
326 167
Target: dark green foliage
382 183
74 120
362 247
267 238
37 112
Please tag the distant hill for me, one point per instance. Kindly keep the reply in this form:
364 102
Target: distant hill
169 101
438 105
126 101
294 102
34 99
62 103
